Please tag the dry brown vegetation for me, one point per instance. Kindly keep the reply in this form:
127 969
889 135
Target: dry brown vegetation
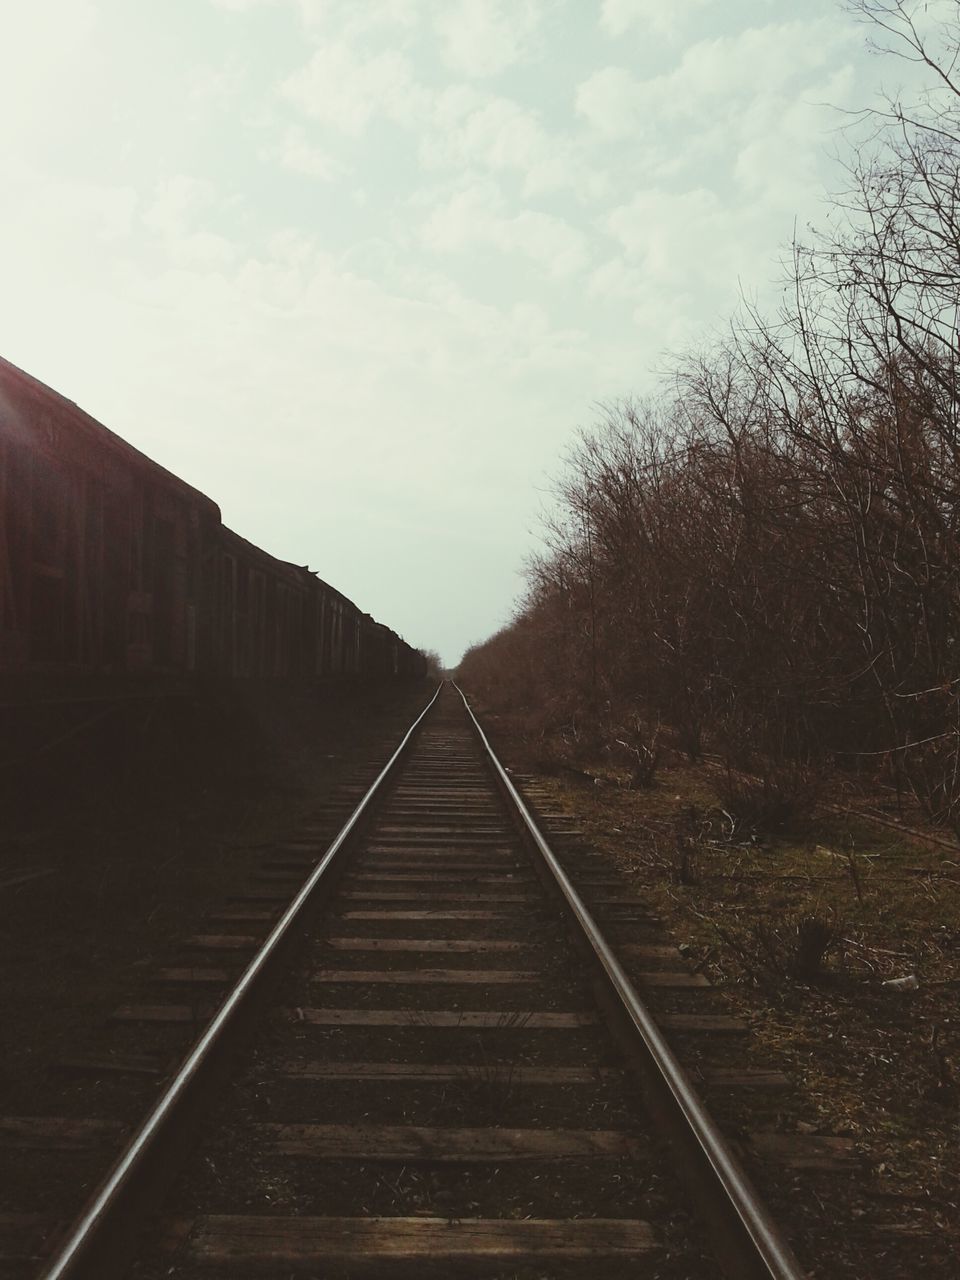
763 561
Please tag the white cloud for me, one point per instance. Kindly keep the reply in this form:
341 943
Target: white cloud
242 6
484 37
611 100
465 129
744 114
659 330
616 279
290 247
476 216
360 17
664 231
344 90
301 156
213 86
758 60
468 128
665 17
761 64
172 215
459 126
175 203
780 159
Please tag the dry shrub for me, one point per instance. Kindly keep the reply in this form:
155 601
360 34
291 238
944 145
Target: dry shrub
638 747
797 949
551 752
769 801
681 860
680 856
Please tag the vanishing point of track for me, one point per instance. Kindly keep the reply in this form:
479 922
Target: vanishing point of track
446 1071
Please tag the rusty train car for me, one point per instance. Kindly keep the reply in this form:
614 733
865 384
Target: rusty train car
116 575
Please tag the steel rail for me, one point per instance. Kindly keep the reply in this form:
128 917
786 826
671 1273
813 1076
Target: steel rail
89 1229
773 1256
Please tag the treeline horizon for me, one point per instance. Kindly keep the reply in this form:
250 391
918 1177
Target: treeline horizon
762 559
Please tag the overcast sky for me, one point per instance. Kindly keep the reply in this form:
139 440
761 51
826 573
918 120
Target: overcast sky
358 269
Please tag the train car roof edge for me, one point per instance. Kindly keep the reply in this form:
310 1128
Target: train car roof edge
88 421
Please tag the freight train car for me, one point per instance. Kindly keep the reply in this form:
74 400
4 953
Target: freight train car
274 620
385 654
99 547
114 573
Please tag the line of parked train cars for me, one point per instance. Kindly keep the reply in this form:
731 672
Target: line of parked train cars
112 567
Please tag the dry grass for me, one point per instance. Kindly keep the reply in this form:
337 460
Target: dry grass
811 928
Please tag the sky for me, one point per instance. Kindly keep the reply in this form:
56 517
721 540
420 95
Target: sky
360 269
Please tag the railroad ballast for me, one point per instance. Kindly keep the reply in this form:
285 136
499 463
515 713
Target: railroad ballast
111 566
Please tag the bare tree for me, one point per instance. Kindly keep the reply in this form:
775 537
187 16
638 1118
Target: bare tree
768 556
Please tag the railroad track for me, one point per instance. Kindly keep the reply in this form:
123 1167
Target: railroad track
431 1062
